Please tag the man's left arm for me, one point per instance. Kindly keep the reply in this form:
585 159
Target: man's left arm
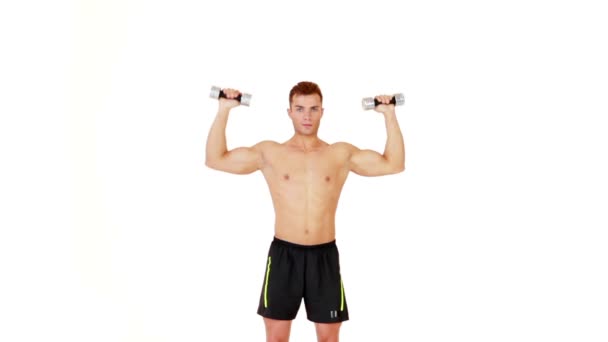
371 163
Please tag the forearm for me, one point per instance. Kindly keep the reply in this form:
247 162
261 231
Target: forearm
216 140
394 150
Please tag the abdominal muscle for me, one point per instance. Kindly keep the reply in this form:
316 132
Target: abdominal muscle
305 223
305 190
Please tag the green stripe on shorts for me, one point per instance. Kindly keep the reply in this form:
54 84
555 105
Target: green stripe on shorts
266 285
341 295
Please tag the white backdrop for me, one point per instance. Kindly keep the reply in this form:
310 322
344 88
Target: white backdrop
113 229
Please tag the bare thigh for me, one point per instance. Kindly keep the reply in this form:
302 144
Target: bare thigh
277 330
328 332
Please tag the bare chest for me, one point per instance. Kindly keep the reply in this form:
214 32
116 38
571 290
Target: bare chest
319 169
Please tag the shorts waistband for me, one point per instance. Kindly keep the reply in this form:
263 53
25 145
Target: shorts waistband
295 245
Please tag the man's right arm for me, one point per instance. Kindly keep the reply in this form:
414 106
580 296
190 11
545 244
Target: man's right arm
241 160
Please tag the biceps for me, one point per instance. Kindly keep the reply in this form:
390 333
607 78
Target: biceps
369 163
241 160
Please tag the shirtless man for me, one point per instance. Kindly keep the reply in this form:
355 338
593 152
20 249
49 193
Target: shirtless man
305 175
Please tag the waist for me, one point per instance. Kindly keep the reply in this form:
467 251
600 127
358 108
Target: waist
331 243
305 234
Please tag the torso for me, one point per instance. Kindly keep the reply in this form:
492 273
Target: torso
305 188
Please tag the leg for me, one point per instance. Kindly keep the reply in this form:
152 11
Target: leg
328 332
324 296
281 292
277 330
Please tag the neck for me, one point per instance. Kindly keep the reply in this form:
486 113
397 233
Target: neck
305 142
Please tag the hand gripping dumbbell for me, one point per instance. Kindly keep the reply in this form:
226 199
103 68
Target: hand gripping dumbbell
371 103
217 92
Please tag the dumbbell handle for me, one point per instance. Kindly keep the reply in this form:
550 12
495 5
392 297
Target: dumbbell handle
392 101
223 95
370 103
217 92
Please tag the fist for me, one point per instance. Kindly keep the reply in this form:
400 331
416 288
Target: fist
384 106
230 101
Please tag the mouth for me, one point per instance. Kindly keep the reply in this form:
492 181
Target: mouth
307 125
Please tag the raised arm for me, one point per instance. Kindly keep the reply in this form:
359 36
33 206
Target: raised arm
371 163
241 160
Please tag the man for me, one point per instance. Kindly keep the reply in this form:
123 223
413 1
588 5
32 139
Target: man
305 175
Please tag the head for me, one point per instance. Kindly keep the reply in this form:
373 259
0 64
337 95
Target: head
305 107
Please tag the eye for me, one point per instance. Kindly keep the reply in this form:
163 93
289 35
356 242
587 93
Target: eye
299 109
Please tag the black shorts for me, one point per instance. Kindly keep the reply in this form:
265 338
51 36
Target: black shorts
297 271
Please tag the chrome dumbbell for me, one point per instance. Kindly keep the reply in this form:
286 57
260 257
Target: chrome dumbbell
371 102
243 98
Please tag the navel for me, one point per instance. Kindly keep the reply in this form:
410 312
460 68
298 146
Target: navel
327 178
306 231
286 177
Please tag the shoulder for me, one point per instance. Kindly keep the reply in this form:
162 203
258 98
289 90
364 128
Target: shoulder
344 146
264 144
344 150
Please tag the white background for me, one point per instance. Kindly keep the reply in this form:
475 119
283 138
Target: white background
113 229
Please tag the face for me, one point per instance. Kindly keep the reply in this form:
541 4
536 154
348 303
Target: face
305 113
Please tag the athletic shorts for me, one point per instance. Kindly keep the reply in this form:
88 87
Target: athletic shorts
297 271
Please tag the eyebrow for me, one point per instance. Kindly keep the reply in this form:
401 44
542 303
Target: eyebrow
298 106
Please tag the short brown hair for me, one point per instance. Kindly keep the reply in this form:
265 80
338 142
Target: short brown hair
305 88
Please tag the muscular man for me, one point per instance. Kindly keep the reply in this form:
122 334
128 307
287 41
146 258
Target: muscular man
305 175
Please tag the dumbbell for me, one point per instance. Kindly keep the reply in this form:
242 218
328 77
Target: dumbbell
371 102
217 92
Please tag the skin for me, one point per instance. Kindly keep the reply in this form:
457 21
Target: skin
305 176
